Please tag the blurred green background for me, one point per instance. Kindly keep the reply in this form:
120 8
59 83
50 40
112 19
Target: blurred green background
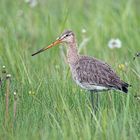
50 105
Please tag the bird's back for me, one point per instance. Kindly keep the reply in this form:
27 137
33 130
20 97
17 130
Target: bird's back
93 74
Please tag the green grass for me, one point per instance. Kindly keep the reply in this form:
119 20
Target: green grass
56 108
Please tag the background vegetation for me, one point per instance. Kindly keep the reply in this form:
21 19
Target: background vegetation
49 104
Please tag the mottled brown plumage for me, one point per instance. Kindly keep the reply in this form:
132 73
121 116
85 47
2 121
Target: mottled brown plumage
92 73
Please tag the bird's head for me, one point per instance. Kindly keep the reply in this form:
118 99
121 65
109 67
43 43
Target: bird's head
66 37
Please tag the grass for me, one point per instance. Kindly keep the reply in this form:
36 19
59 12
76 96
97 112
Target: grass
50 105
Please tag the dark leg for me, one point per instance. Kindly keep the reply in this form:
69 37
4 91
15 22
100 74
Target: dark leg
92 102
94 105
97 98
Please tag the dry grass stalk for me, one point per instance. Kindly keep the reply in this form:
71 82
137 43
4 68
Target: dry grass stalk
3 75
15 105
8 77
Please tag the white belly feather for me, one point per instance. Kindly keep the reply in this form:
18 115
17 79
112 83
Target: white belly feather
90 87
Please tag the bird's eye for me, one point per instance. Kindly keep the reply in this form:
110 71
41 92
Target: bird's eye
67 35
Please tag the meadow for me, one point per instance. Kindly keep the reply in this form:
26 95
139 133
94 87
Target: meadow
49 105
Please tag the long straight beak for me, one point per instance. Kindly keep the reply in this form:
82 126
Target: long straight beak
58 41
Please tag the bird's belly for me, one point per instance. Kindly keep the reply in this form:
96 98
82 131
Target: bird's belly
88 86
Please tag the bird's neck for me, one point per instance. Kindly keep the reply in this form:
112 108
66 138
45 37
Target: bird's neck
72 53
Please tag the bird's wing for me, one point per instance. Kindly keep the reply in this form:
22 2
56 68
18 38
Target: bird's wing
95 72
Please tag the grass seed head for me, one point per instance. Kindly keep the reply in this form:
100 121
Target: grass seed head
8 76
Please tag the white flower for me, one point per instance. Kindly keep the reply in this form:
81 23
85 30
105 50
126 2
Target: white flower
3 67
32 3
114 43
84 30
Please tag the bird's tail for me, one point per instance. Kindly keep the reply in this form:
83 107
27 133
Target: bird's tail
124 87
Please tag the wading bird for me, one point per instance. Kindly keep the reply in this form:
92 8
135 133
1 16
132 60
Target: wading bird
88 72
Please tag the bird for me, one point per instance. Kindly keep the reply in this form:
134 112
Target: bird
88 72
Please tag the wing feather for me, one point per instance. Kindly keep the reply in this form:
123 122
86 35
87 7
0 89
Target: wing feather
92 71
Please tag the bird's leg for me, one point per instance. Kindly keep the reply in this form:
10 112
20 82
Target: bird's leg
97 98
92 102
94 106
